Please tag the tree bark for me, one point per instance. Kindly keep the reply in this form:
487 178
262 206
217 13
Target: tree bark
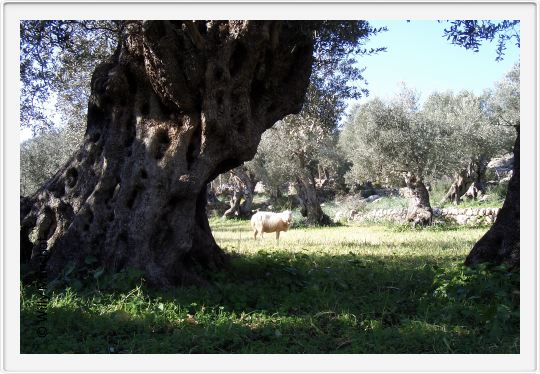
469 182
419 211
310 206
501 243
234 208
478 186
249 182
275 194
461 183
180 103
242 198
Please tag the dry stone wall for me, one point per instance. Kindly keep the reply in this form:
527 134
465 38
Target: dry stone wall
461 216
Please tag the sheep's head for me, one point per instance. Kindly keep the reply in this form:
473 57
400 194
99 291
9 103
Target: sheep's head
286 217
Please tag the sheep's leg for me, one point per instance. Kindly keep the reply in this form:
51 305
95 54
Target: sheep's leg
277 236
255 234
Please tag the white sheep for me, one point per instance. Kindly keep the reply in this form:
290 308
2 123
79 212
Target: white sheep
262 222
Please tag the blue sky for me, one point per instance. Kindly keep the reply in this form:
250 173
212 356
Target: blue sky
419 55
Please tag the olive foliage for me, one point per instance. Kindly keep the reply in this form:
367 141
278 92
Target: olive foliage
44 154
307 142
57 59
384 140
471 33
503 101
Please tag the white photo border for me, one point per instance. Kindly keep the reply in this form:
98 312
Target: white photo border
14 11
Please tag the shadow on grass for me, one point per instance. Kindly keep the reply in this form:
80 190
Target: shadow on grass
73 331
282 302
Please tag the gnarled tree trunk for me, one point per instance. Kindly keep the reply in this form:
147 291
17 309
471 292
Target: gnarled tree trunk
461 183
249 190
478 186
242 198
178 104
234 208
469 182
419 211
501 243
310 206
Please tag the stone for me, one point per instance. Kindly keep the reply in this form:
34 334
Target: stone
461 219
501 167
372 198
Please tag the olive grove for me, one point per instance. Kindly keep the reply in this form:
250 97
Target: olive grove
397 141
475 139
153 111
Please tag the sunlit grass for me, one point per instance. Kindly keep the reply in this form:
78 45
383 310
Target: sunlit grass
380 240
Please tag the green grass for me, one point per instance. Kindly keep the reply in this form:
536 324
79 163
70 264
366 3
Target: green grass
346 289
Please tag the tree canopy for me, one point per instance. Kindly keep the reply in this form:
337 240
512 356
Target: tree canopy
471 33
385 139
56 62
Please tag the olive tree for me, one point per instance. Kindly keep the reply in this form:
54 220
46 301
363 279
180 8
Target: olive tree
397 141
178 103
243 182
292 151
475 139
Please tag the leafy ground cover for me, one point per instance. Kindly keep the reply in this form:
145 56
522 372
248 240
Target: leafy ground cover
345 289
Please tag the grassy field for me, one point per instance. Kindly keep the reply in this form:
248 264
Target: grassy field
345 289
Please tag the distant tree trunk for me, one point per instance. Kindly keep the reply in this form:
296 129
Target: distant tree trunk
459 186
180 103
477 188
242 199
248 180
468 182
419 211
235 200
310 207
275 194
501 243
